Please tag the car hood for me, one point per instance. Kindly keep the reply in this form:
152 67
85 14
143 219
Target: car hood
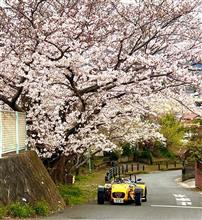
120 187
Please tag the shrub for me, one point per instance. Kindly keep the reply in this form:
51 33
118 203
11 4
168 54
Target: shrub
114 155
41 208
166 153
72 195
21 210
172 130
3 212
146 156
127 150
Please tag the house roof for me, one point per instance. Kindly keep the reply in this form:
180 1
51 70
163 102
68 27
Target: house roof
189 116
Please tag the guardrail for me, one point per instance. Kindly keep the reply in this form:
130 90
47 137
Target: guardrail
12 132
124 169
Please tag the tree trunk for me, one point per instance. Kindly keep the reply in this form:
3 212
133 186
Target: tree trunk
58 171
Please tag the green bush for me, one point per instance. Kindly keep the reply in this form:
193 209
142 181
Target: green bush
3 212
72 195
146 156
173 130
41 208
127 150
114 155
164 152
21 210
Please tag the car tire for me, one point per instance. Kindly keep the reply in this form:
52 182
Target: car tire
138 197
101 195
145 197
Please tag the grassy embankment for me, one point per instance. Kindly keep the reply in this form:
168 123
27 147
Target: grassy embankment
84 190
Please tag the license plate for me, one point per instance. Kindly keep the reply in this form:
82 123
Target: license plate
118 200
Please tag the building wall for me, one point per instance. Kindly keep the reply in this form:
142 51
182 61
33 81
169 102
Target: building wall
198 174
12 132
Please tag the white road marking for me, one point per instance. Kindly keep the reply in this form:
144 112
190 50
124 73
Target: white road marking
179 195
175 206
186 203
182 200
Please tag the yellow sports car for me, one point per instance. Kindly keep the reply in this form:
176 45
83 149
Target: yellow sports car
123 190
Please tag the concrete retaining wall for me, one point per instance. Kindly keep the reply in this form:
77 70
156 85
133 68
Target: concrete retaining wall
188 172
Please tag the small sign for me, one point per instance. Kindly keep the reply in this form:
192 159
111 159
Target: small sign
118 201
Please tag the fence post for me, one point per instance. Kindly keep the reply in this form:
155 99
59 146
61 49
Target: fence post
122 169
119 172
126 167
175 164
138 167
159 166
166 164
143 167
132 167
17 132
1 134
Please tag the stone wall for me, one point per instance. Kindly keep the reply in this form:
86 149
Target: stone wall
23 177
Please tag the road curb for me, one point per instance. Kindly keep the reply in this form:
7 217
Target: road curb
188 184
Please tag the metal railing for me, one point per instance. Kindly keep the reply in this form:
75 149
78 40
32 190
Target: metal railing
12 132
124 169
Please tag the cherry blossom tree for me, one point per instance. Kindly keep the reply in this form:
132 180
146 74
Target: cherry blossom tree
76 65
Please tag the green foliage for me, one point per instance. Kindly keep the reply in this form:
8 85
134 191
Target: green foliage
164 152
71 194
21 210
195 151
84 188
173 130
197 121
114 155
41 208
127 150
136 155
195 146
3 212
146 156
81 178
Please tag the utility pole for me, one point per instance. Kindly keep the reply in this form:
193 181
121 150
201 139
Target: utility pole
89 161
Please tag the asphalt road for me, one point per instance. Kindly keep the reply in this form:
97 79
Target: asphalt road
166 200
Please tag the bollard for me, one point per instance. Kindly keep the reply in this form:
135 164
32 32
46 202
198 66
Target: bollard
143 168
175 164
132 167
166 164
138 167
159 166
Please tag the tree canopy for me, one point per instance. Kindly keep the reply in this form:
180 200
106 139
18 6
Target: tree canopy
77 65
